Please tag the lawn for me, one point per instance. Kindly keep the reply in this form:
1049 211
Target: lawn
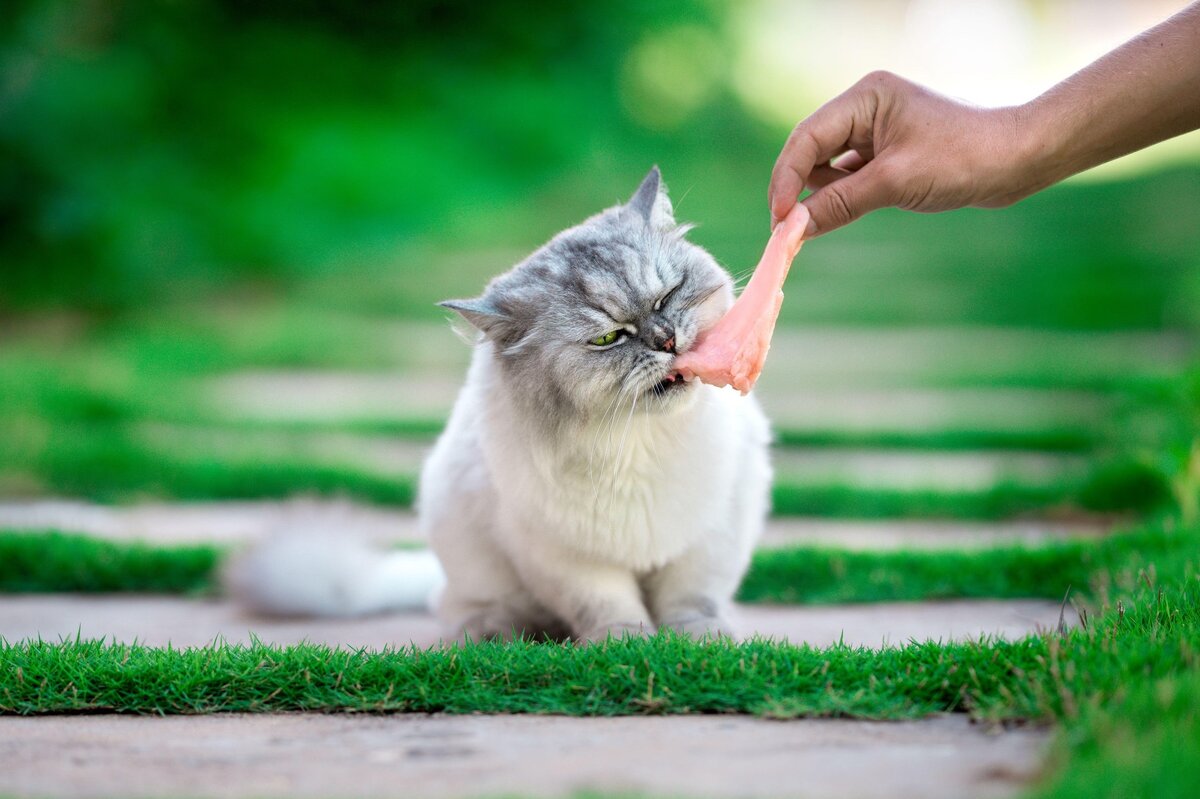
172 234
126 407
1127 676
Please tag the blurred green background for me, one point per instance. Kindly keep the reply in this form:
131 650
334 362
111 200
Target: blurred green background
230 219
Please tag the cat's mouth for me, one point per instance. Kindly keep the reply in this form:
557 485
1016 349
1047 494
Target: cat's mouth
672 383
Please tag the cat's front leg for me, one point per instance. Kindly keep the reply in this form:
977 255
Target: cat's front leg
692 594
596 600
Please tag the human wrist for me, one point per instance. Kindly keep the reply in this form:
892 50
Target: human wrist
1036 156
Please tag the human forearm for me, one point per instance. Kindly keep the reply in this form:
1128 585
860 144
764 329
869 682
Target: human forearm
890 142
1145 91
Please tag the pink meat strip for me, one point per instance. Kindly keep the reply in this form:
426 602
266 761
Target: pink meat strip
733 351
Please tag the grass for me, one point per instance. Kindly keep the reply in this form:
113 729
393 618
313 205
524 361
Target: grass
111 462
87 438
49 561
666 674
1149 626
1142 741
1124 686
1063 439
1124 689
54 561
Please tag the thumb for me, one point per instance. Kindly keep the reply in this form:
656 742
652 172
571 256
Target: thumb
846 199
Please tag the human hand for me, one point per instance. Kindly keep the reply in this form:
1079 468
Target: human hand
895 143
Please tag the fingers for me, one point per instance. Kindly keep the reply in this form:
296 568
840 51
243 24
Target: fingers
813 142
824 174
844 200
851 161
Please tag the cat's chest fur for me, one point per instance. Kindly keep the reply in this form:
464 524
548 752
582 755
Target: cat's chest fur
633 490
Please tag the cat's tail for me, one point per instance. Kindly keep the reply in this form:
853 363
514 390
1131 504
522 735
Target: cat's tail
324 575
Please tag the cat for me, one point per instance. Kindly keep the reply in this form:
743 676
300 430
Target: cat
579 489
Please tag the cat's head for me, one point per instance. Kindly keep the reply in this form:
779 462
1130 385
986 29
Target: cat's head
593 320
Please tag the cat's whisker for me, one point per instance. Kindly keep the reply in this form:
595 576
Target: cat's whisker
684 196
621 450
604 436
524 539
617 404
740 279
597 432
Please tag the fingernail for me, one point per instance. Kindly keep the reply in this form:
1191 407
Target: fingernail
810 230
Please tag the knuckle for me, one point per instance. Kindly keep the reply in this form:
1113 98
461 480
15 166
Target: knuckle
803 140
880 78
798 156
883 82
809 143
839 205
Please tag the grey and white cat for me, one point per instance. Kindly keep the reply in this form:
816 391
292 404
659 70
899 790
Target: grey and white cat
579 489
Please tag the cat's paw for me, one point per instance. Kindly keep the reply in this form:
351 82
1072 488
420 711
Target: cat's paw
490 627
702 627
619 630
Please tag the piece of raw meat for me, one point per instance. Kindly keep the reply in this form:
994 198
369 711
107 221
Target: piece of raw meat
732 352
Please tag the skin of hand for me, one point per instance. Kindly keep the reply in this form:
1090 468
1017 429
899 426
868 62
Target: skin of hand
890 142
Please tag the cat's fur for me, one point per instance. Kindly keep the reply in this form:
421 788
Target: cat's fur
574 492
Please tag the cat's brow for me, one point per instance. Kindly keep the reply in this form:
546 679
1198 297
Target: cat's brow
614 316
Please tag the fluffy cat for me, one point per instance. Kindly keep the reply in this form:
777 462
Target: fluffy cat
579 489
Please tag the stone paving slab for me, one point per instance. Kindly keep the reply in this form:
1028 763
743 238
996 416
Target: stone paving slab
398 457
858 355
297 755
182 622
236 522
913 470
325 396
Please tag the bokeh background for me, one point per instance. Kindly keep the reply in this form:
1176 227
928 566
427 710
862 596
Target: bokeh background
224 226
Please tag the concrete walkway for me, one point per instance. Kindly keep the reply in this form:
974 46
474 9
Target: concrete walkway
866 468
158 621
244 522
484 756
305 755
324 396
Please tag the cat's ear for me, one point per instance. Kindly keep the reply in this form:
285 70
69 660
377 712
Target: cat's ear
651 203
483 314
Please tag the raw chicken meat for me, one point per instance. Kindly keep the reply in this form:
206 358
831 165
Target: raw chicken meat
732 352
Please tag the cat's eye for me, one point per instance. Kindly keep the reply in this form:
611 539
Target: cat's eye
611 337
659 304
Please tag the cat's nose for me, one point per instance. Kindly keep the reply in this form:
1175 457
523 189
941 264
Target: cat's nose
663 338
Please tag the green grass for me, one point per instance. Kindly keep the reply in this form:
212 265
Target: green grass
1148 626
111 462
951 439
322 262
1124 687
54 561
86 438
47 561
1141 742
854 502
666 674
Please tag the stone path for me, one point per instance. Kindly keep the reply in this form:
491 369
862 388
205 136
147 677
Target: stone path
297 395
240 522
544 756
864 356
303 755
394 457
162 620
